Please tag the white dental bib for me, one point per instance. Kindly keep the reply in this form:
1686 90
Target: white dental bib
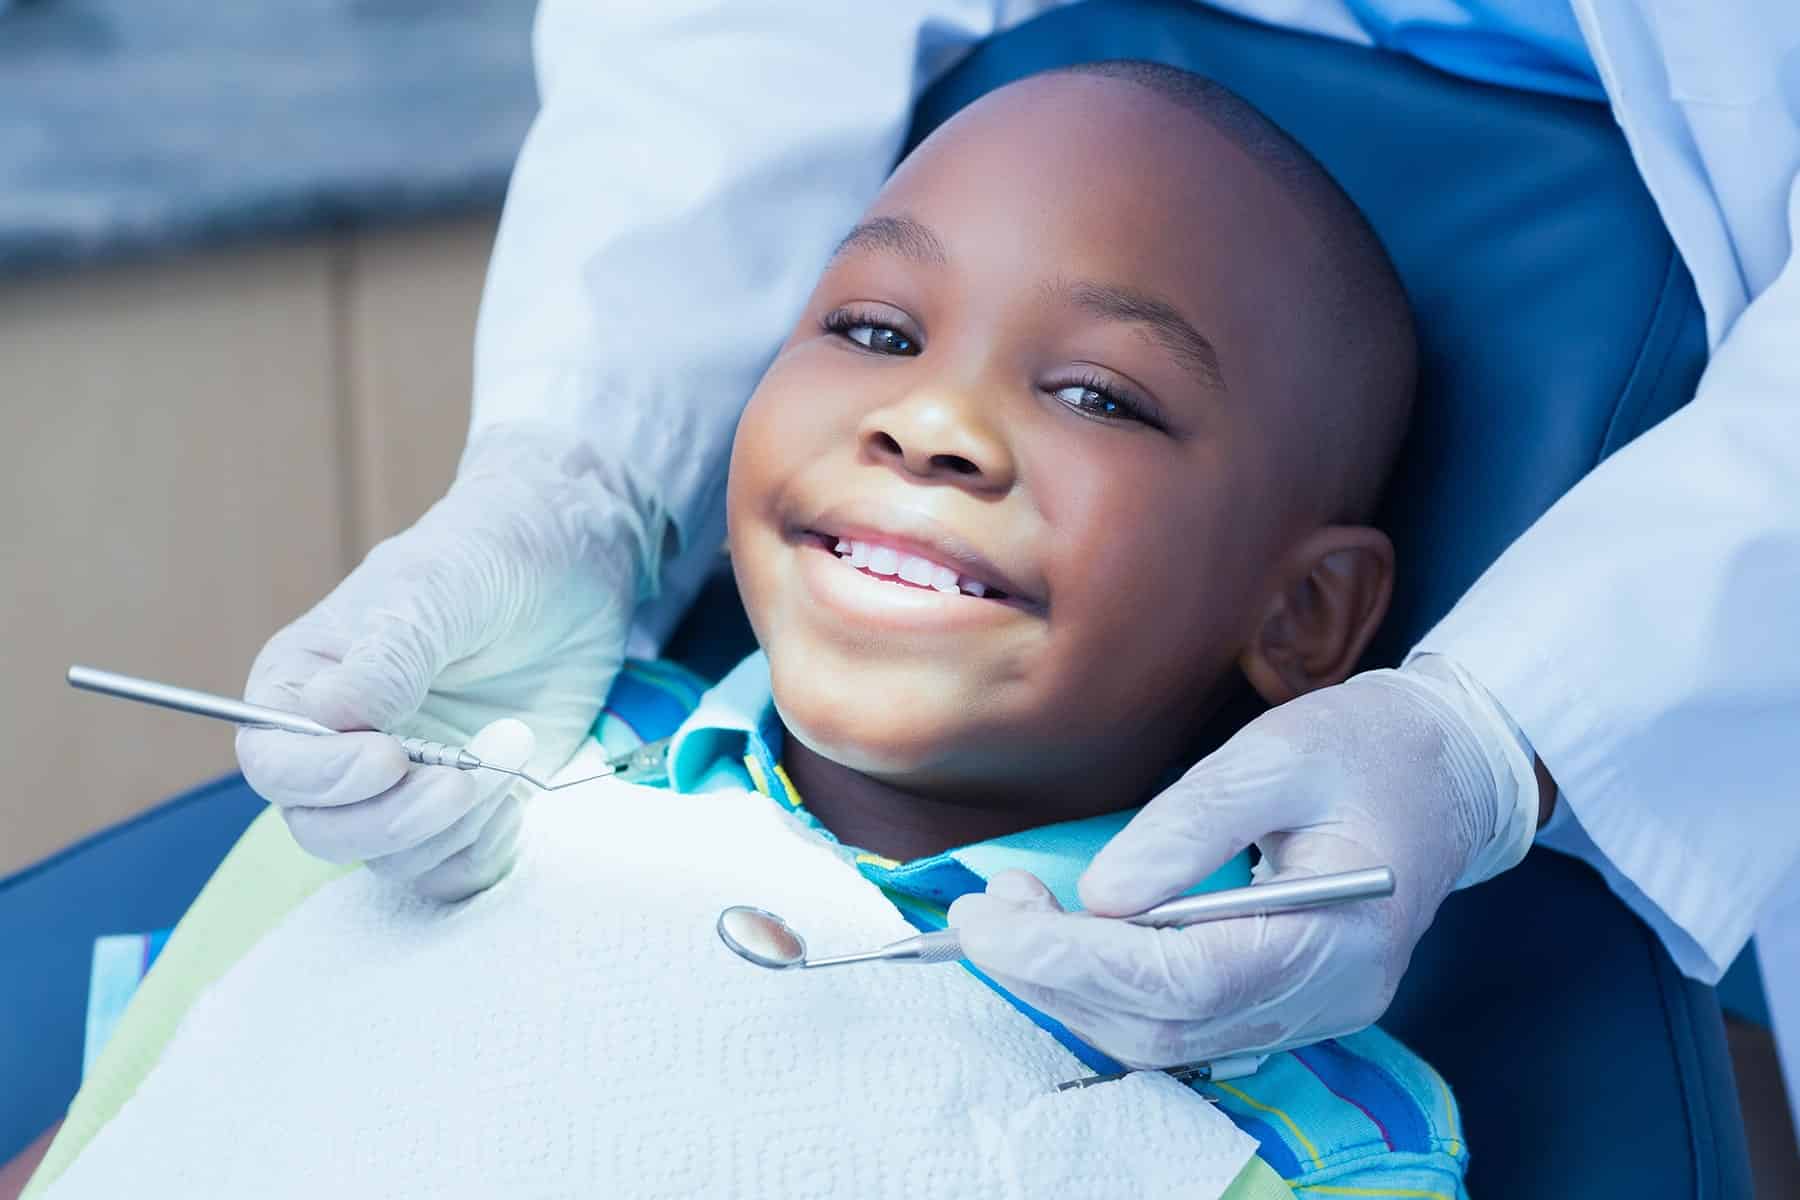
579 1031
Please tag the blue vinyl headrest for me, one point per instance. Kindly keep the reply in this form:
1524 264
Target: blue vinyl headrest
1556 320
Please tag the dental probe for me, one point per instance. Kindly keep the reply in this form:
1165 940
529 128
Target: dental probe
255 716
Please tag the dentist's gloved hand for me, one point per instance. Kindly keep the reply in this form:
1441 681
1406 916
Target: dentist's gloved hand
511 597
1417 769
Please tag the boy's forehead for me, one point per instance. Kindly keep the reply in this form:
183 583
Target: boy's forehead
1088 166
1073 138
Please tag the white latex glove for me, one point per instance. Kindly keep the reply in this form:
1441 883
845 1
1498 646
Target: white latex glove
1417 769
510 597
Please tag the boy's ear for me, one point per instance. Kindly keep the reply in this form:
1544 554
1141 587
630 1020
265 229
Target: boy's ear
1329 597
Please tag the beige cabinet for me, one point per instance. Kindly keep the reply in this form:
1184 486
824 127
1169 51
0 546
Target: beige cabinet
194 452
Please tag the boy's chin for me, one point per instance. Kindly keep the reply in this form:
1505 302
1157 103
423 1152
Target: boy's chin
881 716
885 748
887 740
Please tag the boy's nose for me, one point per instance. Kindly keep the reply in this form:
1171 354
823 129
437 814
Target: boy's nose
937 435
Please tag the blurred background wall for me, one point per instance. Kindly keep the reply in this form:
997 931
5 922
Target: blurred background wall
241 251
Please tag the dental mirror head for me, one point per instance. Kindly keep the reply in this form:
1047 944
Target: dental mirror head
759 936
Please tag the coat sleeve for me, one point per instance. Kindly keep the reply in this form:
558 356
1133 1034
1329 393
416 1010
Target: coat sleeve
1645 635
692 164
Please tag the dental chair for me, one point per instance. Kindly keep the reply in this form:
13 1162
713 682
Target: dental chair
1557 323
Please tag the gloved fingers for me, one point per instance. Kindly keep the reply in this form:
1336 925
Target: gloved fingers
381 680
292 657
1020 889
1000 902
560 699
1098 1029
1135 1041
426 802
482 864
1196 826
1165 1043
1191 974
1318 852
407 865
1105 963
1086 1022
1297 1016
348 673
505 743
299 770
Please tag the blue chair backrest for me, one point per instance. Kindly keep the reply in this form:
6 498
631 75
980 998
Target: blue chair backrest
1557 322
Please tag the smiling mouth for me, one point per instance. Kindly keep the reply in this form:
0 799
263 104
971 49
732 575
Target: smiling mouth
904 568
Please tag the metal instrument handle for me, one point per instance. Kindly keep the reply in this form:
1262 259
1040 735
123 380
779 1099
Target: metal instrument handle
437 754
423 751
188 700
1289 895
940 946
944 946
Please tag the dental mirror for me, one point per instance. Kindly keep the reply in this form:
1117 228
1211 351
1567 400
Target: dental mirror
761 937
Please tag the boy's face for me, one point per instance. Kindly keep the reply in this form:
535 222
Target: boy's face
1047 363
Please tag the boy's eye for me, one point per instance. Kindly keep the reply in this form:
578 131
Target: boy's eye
1097 400
870 332
1089 399
882 339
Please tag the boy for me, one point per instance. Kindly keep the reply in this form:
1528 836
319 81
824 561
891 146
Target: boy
1075 441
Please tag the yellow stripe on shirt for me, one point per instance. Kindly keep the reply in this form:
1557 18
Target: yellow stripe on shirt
757 778
1449 1108
789 792
1312 1151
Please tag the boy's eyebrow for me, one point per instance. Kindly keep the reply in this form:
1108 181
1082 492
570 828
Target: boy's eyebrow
1112 302
901 235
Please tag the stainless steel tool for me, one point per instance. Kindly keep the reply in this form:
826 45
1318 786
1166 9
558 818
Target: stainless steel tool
761 937
255 716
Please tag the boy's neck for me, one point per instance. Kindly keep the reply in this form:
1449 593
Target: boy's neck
897 823
887 820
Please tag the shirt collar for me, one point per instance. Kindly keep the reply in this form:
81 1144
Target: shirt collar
734 735
735 720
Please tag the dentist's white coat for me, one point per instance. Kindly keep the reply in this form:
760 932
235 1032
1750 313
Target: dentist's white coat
695 161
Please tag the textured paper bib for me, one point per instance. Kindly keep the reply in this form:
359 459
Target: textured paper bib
579 1031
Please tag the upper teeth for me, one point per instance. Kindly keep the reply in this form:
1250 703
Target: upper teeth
877 559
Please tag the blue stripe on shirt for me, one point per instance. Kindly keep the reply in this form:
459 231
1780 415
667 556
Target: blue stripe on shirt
1364 1085
1271 1146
